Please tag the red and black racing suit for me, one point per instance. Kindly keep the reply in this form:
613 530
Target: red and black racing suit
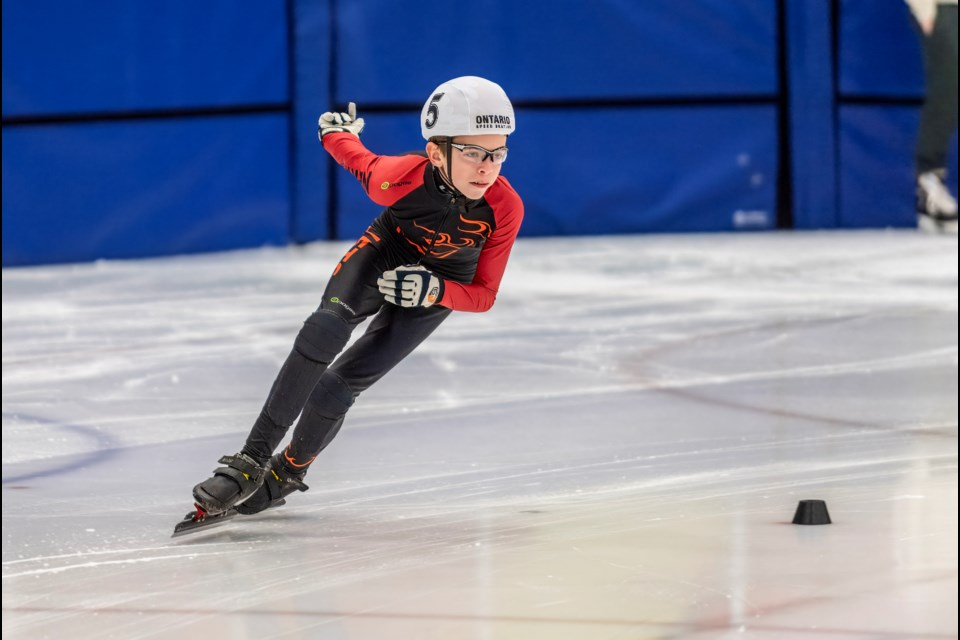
464 242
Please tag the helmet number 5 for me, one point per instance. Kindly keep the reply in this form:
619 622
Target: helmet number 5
433 111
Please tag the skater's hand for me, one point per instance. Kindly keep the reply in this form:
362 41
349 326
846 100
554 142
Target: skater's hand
348 122
411 286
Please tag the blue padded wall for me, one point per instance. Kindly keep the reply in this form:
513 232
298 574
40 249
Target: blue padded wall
310 189
632 116
124 129
71 56
811 108
876 165
636 167
879 50
129 189
670 169
564 49
631 184
880 66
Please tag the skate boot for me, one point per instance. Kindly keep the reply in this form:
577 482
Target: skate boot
230 485
936 206
279 482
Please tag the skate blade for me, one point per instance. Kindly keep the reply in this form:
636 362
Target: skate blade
932 225
192 522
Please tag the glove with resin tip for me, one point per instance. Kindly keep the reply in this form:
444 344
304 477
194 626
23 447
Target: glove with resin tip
410 286
348 122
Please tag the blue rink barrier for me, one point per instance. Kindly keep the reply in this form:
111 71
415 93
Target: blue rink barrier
130 189
879 95
876 165
68 57
138 130
562 49
879 51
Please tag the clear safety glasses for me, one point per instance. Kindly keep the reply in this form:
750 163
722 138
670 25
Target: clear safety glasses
476 155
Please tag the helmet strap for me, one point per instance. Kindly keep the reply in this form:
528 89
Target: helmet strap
447 176
449 147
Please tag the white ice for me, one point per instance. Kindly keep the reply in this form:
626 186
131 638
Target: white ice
615 451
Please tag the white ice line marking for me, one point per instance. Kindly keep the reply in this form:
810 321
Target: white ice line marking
85 565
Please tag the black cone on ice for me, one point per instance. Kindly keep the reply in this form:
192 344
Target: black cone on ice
811 512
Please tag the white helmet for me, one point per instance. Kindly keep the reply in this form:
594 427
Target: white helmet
466 106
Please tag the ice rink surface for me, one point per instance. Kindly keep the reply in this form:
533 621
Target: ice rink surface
615 451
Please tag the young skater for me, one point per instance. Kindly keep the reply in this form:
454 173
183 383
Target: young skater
440 245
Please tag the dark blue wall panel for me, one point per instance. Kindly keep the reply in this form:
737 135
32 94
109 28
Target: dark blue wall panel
115 55
561 49
812 123
310 184
128 189
876 166
666 169
76 189
879 50
879 56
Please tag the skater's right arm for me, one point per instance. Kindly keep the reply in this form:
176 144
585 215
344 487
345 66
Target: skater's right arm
386 179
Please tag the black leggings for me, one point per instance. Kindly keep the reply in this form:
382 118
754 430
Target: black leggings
938 117
325 391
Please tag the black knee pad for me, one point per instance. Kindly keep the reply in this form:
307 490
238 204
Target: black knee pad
323 336
332 397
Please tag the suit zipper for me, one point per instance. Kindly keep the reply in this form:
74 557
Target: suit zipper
436 233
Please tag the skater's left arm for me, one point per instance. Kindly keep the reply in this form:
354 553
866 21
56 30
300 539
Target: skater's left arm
480 294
